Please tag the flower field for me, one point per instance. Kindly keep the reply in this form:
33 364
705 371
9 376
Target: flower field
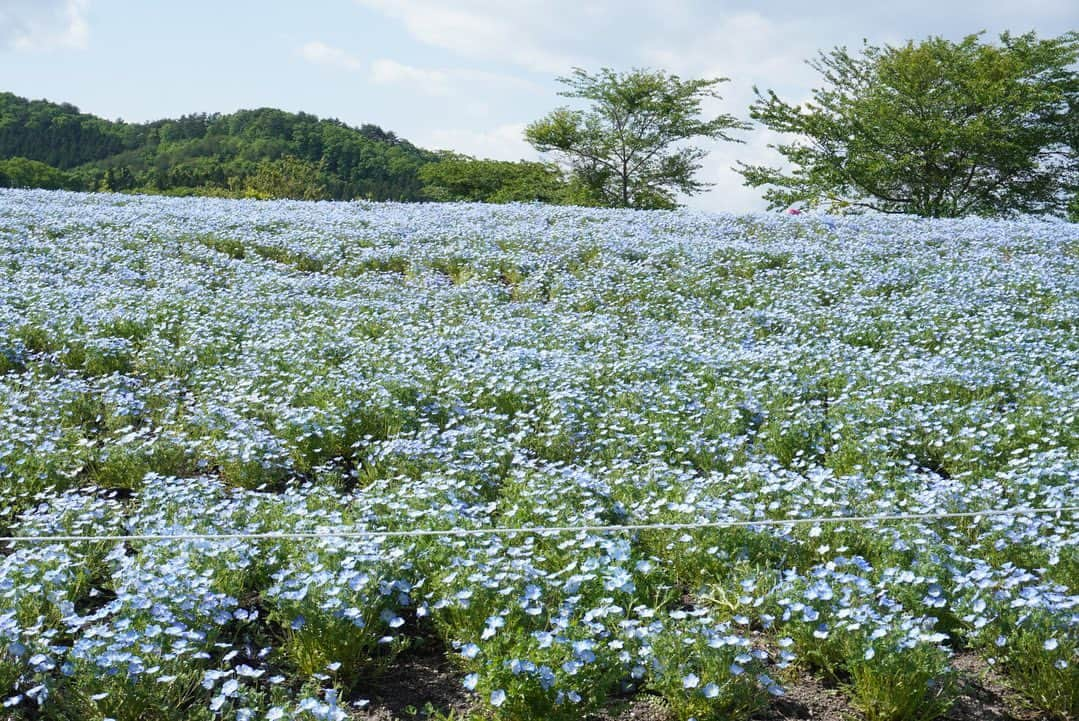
177 367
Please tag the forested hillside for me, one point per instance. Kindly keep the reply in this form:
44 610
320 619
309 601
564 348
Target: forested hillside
250 152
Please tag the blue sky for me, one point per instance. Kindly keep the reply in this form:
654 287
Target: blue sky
466 75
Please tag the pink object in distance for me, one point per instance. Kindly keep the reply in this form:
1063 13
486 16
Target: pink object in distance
793 211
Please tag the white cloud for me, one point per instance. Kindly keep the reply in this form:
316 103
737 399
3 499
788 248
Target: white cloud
444 82
746 47
527 33
750 49
391 72
36 25
728 192
323 54
505 142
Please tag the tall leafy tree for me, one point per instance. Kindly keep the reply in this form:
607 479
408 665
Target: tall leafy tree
934 128
628 149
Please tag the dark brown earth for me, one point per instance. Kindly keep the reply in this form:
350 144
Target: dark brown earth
419 686
809 698
985 694
423 685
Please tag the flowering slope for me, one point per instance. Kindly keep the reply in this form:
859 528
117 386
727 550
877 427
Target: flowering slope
172 366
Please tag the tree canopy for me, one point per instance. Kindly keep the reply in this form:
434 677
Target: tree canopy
627 149
247 152
287 177
25 173
935 128
460 177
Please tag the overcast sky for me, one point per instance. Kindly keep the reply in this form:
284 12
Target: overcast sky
466 75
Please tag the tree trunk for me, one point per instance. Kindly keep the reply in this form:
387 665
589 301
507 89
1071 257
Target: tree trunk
625 185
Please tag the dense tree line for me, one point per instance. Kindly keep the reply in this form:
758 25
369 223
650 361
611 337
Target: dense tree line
58 135
233 154
25 173
460 177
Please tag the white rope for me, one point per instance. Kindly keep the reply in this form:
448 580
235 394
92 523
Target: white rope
507 531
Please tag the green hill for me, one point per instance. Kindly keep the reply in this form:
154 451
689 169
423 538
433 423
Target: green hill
263 152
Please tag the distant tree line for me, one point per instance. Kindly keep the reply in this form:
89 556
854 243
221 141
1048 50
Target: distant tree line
934 128
54 145
261 153
460 177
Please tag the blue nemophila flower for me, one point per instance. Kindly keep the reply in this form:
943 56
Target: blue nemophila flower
491 626
385 366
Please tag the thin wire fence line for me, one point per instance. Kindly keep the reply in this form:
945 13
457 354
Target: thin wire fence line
521 530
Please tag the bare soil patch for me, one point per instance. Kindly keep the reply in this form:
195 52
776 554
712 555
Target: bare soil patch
423 683
984 694
417 686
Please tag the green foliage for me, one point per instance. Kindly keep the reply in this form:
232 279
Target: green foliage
287 177
250 152
626 151
58 135
459 177
229 246
1038 654
117 179
26 173
707 681
905 683
535 686
297 259
1049 678
935 128
123 698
